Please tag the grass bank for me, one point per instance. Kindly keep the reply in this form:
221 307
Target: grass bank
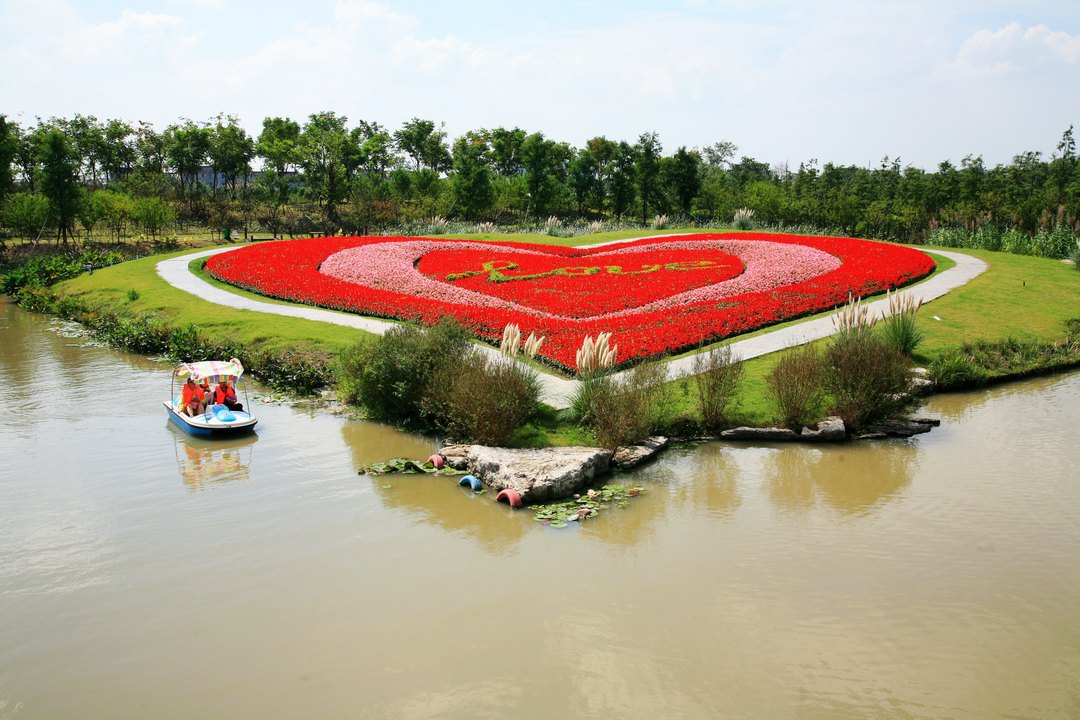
1018 297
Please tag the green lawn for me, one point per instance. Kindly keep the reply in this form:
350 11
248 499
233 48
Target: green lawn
1018 296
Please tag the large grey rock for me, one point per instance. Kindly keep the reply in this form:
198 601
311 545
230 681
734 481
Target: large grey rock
759 433
630 456
538 475
456 456
903 427
831 429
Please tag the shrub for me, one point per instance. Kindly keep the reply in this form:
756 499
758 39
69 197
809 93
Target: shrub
396 370
716 380
348 368
625 411
1074 255
483 399
868 379
899 326
796 386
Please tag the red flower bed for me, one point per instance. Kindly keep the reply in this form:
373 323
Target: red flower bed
657 296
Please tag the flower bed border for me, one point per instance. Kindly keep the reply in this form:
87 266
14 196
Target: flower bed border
289 270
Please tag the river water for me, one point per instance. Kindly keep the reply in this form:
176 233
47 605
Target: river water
147 574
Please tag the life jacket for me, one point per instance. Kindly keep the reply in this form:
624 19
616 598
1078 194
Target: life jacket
221 396
188 393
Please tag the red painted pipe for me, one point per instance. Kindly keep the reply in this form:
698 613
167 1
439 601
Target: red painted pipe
510 496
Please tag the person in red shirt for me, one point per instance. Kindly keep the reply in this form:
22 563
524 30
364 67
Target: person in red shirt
224 394
192 398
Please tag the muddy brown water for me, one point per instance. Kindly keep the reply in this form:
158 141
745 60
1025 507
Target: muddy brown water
147 574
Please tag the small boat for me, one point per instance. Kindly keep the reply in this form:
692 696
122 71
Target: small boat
218 420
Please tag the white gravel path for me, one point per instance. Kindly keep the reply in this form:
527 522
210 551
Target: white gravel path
557 390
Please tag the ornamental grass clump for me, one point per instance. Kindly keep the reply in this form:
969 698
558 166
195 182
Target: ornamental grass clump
594 359
744 219
485 228
660 222
596 226
553 224
796 387
853 320
898 323
438 225
618 411
594 355
716 380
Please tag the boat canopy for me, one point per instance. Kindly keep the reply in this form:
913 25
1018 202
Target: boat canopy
211 370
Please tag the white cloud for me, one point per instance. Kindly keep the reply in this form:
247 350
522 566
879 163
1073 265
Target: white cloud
840 81
1014 49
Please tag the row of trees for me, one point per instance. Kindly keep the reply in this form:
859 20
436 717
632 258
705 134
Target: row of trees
325 174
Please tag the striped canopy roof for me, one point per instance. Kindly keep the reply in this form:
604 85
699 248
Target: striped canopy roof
211 370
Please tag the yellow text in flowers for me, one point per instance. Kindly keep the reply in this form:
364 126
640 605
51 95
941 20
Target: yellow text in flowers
494 269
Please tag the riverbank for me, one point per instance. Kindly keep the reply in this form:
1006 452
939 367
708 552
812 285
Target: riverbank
1017 298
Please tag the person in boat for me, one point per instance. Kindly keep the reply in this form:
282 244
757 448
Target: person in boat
192 398
225 394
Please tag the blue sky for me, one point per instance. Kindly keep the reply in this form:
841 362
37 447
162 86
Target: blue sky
847 82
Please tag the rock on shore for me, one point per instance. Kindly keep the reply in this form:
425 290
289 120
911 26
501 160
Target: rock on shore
537 475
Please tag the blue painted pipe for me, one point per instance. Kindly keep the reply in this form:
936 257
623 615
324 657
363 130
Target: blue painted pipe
472 482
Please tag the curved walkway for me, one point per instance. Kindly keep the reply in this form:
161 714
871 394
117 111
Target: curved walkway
558 391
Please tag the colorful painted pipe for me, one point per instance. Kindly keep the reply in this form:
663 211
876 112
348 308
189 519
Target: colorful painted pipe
472 482
437 461
510 496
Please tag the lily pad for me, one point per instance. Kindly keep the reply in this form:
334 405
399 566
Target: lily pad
584 507
407 466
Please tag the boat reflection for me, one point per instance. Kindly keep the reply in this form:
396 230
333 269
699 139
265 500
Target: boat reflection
204 464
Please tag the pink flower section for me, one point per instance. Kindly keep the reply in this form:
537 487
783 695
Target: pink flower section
392 266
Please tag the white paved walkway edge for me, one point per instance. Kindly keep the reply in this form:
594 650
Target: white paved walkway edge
558 391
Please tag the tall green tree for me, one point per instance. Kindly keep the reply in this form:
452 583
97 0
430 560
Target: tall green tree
9 148
684 178
584 178
118 150
87 138
620 179
279 147
425 145
231 151
505 150
60 181
377 156
473 191
647 169
545 172
187 147
325 147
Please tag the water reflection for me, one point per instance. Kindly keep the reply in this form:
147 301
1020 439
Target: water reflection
713 480
438 500
855 479
371 442
205 463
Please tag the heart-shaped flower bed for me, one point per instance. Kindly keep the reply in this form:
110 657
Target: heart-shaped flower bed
655 295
